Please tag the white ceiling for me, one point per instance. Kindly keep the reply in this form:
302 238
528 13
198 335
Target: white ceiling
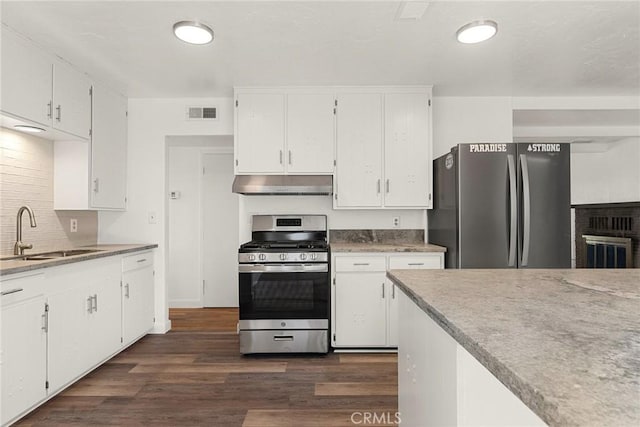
568 48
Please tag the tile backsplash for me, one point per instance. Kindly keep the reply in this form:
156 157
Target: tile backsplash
26 178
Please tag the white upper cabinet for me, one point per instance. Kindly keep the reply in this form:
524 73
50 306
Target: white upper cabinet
108 149
27 79
310 133
383 148
259 133
359 150
92 176
407 151
40 89
284 131
71 101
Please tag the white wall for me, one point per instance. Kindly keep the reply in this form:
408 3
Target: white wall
610 176
150 122
459 120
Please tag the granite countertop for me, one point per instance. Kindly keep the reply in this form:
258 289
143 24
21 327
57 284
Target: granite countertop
385 247
19 266
566 342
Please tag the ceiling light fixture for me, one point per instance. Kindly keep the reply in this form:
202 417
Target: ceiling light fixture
193 32
27 128
477 31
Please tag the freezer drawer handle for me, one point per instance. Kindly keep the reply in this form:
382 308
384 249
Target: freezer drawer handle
526 190
283 338
513 198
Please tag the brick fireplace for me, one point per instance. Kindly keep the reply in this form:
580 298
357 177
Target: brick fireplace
608 235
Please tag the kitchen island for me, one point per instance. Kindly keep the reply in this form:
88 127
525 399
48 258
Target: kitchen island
566 343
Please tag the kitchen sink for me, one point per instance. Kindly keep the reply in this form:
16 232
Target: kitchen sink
50 255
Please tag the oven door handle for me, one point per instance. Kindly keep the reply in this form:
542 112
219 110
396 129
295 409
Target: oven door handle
283 268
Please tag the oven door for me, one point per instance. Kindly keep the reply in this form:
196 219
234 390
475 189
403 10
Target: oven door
284 291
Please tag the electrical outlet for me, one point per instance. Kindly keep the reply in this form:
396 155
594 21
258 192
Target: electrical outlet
152 217
396 221
73 225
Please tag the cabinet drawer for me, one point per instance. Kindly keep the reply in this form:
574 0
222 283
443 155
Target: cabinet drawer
360 263
140 260
21 288
414 262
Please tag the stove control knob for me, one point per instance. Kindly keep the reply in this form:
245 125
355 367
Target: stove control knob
303 256
262 257
252 257
283 256
314 256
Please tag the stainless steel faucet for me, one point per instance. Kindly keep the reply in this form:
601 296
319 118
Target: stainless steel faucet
19 247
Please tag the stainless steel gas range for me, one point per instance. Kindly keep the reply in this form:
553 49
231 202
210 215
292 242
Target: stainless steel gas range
284 285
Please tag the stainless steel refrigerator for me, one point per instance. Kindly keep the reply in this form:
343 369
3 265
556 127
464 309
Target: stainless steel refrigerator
503 206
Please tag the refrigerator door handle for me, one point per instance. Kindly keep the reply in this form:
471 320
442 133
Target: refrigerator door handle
526 214
513 201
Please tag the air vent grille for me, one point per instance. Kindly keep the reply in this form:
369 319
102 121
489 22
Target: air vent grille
615 223
202 113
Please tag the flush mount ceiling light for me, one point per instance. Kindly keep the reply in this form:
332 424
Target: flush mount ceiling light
193 32
27 128
477 31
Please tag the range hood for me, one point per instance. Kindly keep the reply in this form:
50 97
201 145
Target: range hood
319 185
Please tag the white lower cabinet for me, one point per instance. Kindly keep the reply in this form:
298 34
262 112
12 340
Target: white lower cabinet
24 345
137 296
441 384
84 318
61 322
364 302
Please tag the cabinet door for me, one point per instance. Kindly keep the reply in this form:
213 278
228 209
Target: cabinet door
359 150
24 353
392 314
260 133
68 335
406 146
105 320
310 133
26 80
360 309
108 149
137 303
71 101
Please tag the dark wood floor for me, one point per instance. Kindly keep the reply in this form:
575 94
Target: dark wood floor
195 376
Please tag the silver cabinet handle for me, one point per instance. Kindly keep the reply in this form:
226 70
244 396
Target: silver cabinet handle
96 185
393 291
142 260
90 304
283 338
289 156
50 109
126 290
387 186
360 263
11 291
382 290
59 113
95 302
45 322
378 186
526 192
416 263
513 205
280 156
